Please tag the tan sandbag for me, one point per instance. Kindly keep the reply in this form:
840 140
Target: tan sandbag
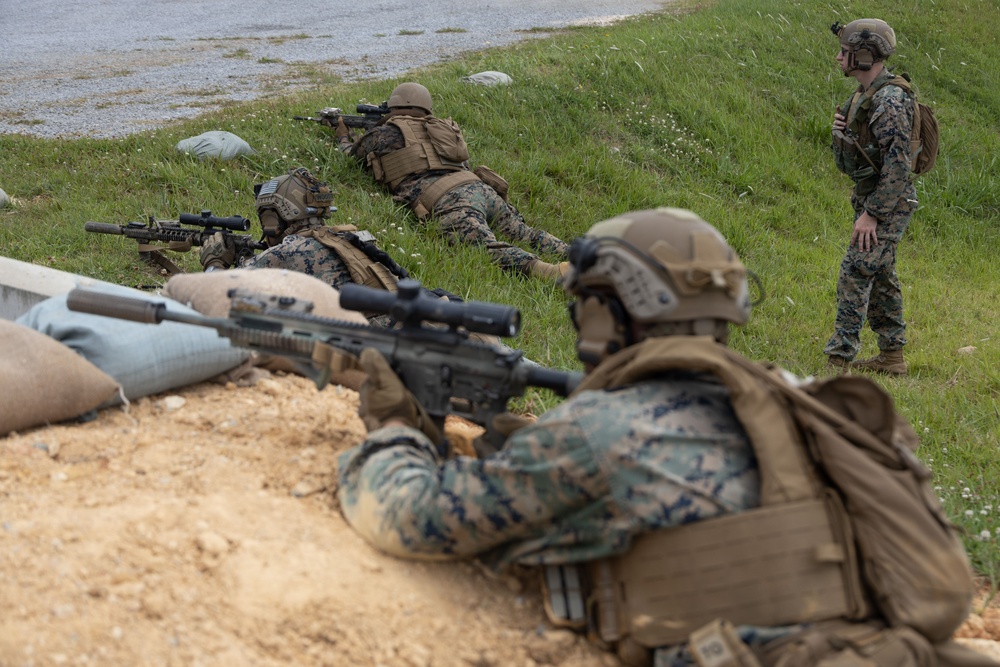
43 381
207 292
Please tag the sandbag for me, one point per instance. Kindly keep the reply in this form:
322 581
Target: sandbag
143 358
42 381
223 145
489 78
207 292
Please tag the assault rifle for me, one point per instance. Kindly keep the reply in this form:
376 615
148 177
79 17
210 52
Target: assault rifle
428 346
371 114
179 238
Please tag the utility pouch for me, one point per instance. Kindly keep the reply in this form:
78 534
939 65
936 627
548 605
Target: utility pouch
447 139
492 179
718 645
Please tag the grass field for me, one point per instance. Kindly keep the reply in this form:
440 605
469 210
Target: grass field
723 108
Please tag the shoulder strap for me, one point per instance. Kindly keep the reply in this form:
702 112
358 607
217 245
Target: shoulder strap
364 269
785 472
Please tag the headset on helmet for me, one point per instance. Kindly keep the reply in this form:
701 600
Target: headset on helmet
410 95
868 41
665 270
286 199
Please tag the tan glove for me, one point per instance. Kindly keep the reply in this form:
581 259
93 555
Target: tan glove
343 133
506 423
503 424
384 397
218 252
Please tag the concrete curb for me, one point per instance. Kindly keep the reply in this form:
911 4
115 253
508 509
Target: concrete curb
22 285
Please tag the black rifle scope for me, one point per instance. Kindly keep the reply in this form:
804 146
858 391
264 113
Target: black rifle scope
411 305
207 220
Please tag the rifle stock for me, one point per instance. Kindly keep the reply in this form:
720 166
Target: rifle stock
429 348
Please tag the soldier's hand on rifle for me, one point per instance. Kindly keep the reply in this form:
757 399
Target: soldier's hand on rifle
343 133
385 401
505 424
217 252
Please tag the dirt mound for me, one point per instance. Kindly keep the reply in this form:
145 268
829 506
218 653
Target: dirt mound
201 528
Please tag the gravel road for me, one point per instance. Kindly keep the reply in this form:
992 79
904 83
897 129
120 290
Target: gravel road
108 68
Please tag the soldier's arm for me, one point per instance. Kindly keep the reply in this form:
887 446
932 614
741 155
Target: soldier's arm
401 497
891 124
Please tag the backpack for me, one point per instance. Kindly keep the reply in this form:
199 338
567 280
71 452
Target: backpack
840 436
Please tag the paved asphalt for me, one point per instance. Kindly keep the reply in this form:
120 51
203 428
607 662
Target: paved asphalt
108 68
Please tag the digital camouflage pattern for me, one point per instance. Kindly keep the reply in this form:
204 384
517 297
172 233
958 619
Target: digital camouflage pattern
309 256
305 255
472 213
577 485
891 196
868 288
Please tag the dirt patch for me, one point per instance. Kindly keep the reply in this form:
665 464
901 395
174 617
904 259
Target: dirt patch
201 528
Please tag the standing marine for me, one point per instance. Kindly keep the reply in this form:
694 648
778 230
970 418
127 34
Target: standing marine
871 144
423 161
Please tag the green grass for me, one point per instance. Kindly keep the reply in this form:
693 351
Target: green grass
722 108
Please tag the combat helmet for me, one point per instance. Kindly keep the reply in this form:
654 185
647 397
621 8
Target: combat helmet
410 94
868 41
658 272
285 200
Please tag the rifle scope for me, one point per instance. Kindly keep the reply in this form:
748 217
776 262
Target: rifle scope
206 219
411 305
380 109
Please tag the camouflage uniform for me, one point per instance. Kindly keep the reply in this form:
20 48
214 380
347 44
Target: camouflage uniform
867 287
575 486
305 255
579 484
309 256
470 213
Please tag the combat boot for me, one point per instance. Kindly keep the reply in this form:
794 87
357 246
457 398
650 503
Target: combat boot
889 362
838 365
540 269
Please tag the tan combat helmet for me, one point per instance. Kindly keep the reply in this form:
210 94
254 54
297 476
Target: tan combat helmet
868 41
410 95
287 199
653 273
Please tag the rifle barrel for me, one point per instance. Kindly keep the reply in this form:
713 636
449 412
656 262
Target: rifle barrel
103 228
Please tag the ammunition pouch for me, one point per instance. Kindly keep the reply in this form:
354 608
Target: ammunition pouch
861 163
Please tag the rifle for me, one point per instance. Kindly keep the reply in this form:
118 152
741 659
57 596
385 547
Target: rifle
181 239
370 116
428 347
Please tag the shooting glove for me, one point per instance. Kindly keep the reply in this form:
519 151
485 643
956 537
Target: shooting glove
506 423
343 134
384 397
217 252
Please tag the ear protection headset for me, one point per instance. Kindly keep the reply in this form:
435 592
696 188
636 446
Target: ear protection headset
270 224
861 57
606 327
